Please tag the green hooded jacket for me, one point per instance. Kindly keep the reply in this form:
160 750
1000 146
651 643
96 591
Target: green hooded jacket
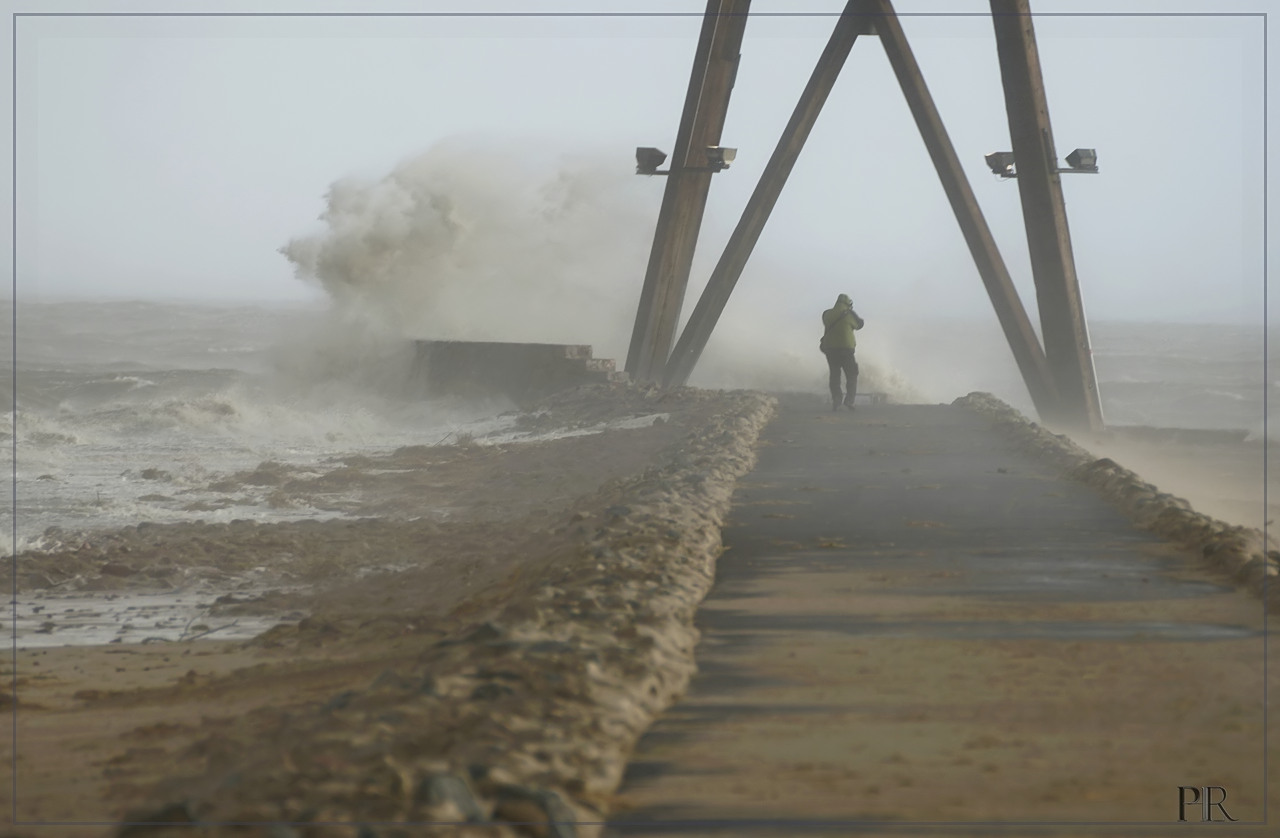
839 323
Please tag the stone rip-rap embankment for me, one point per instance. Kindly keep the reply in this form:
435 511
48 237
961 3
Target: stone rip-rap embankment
1241 553
527 717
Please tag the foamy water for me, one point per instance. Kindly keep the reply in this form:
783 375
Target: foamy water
132 411
111 433
52 619
119 425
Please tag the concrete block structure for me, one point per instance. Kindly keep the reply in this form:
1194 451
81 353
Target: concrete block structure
522 372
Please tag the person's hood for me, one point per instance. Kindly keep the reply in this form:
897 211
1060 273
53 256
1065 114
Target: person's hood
843 300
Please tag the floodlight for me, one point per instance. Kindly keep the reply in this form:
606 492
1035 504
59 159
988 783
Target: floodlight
648 160
719 157
1083 160
1001 163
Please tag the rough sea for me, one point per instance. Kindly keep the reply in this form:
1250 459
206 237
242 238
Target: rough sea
131 411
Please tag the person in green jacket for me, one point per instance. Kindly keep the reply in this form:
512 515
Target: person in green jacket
838 342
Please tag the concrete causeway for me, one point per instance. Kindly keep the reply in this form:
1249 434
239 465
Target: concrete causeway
920 628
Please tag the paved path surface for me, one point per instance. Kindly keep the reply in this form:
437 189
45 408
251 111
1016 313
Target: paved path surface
918 629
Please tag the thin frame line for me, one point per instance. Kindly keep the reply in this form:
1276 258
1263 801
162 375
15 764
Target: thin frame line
615 14
13 413
1266 438
688 822
604 14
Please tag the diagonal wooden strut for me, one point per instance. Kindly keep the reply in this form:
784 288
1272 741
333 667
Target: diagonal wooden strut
684 200
715 296
1013 319
1027 352
675 195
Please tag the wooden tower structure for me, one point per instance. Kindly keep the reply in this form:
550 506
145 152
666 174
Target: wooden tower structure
1058 374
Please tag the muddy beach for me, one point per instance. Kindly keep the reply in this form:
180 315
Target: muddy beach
485 642
442 616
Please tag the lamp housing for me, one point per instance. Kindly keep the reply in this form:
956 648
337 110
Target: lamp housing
719 157
1083 160
648 160
1001 163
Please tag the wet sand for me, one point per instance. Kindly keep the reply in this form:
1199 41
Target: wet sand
402 607
455 535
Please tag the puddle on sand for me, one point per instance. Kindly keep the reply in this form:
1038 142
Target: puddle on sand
50 619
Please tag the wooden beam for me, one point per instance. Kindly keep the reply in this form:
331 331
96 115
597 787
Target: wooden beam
684 201
728 270
1066 336
642 332
1027 352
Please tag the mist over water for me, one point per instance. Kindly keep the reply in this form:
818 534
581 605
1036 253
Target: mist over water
138 410
135 411
462 242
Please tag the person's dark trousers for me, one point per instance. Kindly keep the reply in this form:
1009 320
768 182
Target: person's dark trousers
842 360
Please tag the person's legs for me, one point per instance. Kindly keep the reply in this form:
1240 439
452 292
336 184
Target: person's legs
835 365
851 379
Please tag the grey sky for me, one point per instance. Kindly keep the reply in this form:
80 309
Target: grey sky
172 157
